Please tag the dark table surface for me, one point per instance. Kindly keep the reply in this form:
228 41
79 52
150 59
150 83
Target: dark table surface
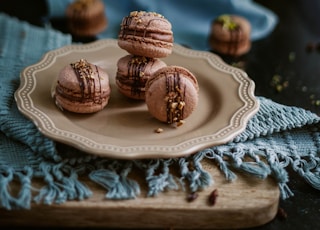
285 67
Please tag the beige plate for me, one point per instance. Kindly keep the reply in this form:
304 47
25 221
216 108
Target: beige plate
125 129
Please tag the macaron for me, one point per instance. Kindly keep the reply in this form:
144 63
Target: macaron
133 73
172 94
230 35
82 87
146 34
86 18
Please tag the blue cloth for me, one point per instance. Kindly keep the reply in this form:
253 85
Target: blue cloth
190 19
277 137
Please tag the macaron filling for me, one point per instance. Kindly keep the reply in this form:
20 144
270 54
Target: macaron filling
131 33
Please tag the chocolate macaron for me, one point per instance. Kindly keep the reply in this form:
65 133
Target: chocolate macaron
82 87
172 94
133 73
146 34
230 35
86 18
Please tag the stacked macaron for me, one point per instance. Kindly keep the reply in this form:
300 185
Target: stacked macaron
230 35
146 36
170 92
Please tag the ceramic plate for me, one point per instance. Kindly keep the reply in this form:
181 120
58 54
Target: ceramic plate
125 129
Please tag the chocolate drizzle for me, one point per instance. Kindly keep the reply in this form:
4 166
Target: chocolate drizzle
126 26
234 42
87 81
98 100
136 68
175 94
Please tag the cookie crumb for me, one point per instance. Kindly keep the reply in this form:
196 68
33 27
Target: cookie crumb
158 130
292 56
278 83
180 122
314 101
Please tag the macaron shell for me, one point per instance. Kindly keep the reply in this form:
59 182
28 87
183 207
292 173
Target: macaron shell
147 21
157 92
146 34
146 47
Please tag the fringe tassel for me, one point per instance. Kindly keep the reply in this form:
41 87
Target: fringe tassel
6 176
313 179
285 191
309 170
217 155
62 185
197 177
278 162
163 180
24 196
50 193
73 188
23 199
117 184
82 191
239 156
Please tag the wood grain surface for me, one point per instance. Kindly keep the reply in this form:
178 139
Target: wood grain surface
246 202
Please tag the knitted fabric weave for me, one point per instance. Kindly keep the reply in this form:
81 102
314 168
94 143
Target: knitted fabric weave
277 137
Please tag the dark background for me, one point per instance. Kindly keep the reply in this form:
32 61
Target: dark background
285 67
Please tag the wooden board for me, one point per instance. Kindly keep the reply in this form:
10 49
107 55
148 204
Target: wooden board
246 202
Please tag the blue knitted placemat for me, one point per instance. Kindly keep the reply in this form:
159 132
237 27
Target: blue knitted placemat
277 137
